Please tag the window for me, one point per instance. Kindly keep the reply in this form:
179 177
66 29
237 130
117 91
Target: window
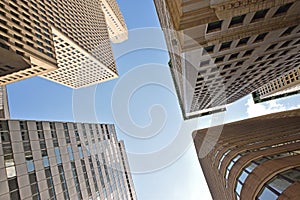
208 49
80 151
23 125
57 155
233 56
286 44
45 158
70 153
219 59
259 59
260 37
273 188
12 184
259 15
283 9
204 63
279 184
243 41
10 167
237 20
271 47
214 26
267 194
239 63
288 31
225 45
30 165
15 195
222 158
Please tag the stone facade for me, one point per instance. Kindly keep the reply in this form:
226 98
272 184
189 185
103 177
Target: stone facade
228 49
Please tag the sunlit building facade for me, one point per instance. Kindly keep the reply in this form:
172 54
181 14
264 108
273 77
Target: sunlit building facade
59 160
67 42
285 85
257 158
223 50
4 109
115 22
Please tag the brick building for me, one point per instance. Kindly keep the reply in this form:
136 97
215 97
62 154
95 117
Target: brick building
257 158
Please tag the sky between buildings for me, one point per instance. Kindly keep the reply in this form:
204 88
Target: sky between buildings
143 105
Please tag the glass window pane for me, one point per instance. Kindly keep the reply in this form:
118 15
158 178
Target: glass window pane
238 188
30 165
70 153
236 158
57 155
5 137
13 184
279 184
294 175
267 194
46 161
34 189
251 167
11 171
32 178
36 197
80 151
261 160
227 174
15 195
9 161
243 176
230 165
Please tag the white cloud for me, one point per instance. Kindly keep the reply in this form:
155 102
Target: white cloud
254 110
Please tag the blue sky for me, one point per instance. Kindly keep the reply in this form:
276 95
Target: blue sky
143 105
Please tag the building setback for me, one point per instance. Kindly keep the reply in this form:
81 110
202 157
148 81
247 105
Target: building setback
62 160
257 158
223 50
63 41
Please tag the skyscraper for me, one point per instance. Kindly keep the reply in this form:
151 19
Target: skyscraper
285 85
223 50
62 160
4 109
257 158
63 41
115 22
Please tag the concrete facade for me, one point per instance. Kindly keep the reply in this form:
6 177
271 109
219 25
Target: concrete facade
4 108
257 158
62 160
66 42
283 86
288 82
223 50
